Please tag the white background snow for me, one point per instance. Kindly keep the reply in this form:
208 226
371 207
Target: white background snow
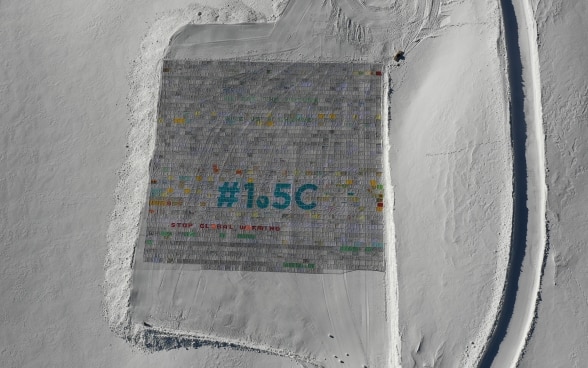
76 82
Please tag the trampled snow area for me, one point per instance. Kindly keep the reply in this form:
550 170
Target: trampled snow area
484 170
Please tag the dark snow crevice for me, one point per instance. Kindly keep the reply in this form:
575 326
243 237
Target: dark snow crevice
518 125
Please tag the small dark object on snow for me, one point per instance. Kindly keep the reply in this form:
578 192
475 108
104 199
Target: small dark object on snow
331 336
399 56
146 324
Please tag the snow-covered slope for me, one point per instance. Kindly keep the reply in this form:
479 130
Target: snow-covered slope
451 169
558 337
72 78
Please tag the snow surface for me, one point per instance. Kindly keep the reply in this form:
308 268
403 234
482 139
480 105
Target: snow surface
558 336
79 84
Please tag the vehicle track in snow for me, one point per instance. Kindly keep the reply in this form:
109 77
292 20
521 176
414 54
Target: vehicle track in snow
409 25
521 293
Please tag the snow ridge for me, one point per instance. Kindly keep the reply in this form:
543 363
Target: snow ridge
155 339
541 167
390 239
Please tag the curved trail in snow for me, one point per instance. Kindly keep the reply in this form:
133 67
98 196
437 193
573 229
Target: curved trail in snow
522 289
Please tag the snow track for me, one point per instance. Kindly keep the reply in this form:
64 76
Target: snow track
522 290
408 24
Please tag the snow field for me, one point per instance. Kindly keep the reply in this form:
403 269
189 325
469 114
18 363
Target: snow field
67 68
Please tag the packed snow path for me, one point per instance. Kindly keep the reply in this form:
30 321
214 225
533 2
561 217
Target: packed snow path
521 293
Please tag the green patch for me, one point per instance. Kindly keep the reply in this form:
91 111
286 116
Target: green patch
245 236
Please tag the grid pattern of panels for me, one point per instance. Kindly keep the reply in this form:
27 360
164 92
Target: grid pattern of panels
267 167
